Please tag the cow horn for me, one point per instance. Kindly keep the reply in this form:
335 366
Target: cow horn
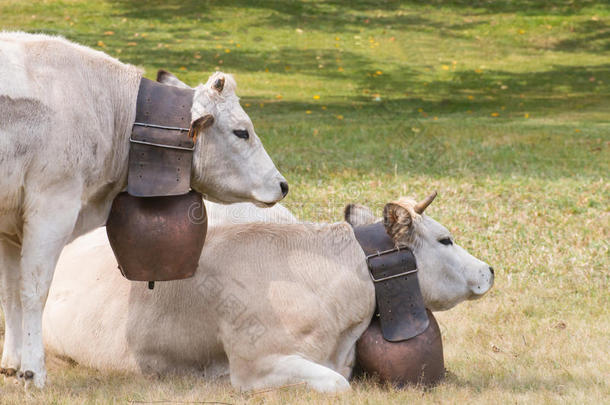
421 206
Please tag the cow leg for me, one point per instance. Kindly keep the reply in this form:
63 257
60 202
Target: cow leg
48 227
275 371
11 305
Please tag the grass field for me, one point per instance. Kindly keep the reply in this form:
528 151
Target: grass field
503 107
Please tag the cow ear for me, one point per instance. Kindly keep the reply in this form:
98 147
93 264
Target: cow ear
165 77
397 220
200 124
356 215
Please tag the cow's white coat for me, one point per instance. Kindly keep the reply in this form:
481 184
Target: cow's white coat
65 117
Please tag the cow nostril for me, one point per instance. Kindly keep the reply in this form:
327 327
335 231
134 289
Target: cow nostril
284 187
491 269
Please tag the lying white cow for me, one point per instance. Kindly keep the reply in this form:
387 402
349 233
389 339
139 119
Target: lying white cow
244 213
66 114
271 304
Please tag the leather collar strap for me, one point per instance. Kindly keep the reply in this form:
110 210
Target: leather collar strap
400 304
161 145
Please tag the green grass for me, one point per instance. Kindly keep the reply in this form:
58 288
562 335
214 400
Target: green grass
503 107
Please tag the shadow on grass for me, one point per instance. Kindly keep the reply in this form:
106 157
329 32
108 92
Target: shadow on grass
330 16
562 89
467 140
481 131
590 36
335 10
395 135
521 7
370 146
554 91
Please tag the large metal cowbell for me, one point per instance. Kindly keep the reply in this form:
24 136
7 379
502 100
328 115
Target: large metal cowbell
157 228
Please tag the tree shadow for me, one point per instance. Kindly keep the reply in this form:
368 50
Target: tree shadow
404 133
520 7
590 36
335 10
329 15
349 17
283 60
161 9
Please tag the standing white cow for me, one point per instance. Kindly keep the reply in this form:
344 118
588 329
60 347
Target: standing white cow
66 113
270 304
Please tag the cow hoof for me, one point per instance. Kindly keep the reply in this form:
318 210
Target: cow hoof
9 372
31 379
26 375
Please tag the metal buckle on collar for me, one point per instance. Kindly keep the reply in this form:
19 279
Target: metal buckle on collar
143 124
158 145
385 252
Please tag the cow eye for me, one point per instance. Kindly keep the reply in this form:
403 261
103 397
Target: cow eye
446 241
241 133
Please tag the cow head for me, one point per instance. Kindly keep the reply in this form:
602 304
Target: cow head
447 274
230 163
